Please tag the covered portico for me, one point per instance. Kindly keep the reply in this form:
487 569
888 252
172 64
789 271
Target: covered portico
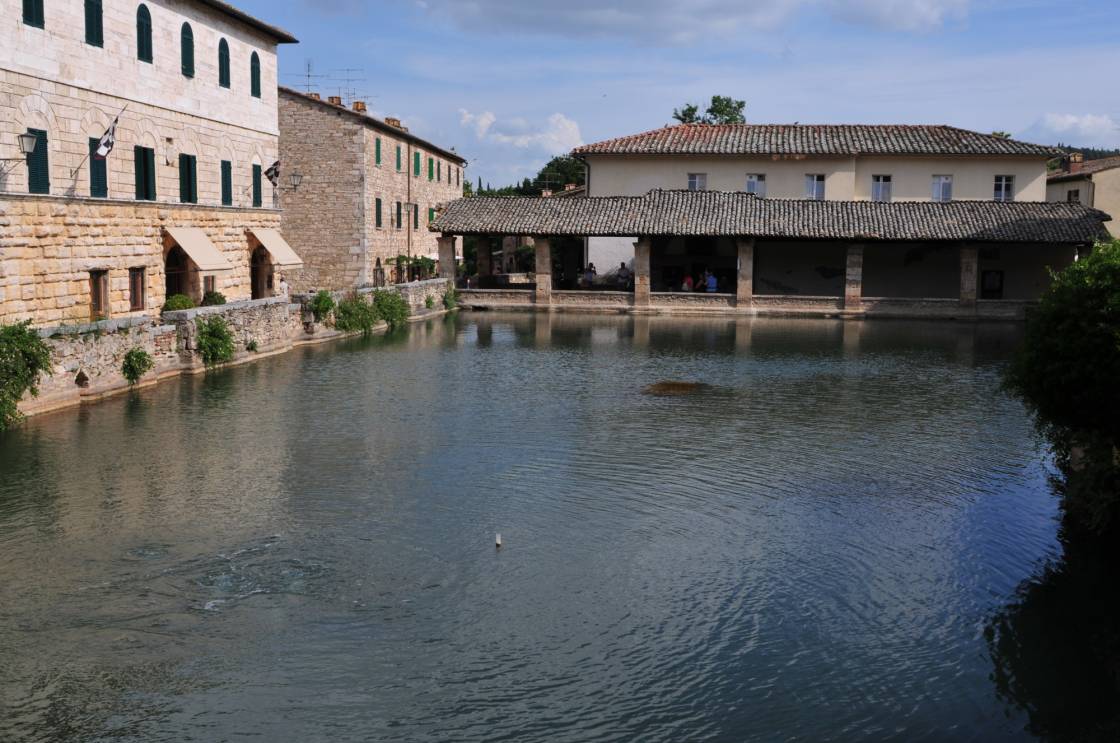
915 259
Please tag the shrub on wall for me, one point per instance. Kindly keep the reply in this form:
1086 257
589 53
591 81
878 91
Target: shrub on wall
430 302
23 357
354 314
391 307
215 342
213 299
137 363
450 299
321 305
178 302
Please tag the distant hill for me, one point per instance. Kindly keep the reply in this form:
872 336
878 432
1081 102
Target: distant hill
1090 153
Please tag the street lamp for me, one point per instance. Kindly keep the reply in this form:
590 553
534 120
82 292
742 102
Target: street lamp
27 142
296 179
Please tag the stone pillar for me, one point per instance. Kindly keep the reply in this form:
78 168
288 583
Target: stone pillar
641 272
969 279
447 257
543 269
744 286
853 278
483 257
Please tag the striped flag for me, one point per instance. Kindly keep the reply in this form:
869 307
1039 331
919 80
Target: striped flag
105 146
273 174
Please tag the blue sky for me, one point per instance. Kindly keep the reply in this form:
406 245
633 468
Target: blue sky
510 83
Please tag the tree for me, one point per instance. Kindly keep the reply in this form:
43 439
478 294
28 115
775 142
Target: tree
1002 134
24 357
721 110
1066 374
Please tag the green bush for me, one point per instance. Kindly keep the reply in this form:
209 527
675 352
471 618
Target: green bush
391 307
322 304
213 299
1066 373
450 299
430 302
178 302
252 347
215 342
137 363
354 314
24 356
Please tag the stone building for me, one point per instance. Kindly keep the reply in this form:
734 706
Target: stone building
369 189
1094 183
182 203
884 163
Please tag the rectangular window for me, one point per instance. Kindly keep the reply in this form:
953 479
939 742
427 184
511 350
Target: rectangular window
94 31
431 215
33 13
439 171
135 289
188 179
38 164
1073 196
400 222
457 172
814 186
697 181
99 295
880 188
227 183
258 198
145 159
431 168
1005 188
756 184
377 213
98 172
398 158
416 164
377 152
942 188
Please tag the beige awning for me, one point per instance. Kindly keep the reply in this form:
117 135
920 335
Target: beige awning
197 245
282 254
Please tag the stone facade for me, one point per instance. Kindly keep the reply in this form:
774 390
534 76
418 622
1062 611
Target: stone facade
49 246
333 216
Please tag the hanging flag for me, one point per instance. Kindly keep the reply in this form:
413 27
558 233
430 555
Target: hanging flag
273 174
105 146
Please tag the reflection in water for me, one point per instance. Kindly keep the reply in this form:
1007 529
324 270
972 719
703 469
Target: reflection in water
302 549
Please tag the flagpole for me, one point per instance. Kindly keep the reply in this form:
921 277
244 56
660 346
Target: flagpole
78 167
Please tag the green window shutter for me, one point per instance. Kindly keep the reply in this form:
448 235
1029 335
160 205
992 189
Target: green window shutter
150 173
431 169
257 196
188 179
398 158
98 172
255 75
227 183
439 171
186 39
94 31
33 13
143 34
138 171
377 151
431 215
377 212
399 223
38 164
416 164
223 64
416 217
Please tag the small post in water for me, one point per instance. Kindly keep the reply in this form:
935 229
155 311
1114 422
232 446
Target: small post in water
497 541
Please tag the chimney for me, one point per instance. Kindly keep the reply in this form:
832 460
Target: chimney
569 187
335 100
546 192
393 122
315 96
360 106
1076 160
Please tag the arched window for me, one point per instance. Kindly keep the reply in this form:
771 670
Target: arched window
223 63
255 75
143 34
187 40
94 32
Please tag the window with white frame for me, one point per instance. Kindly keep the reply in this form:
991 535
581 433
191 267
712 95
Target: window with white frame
1005 188
880 188
697 181
814 186
1073 196
942 188
756 184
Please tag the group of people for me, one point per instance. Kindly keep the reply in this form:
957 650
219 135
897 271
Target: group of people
706 282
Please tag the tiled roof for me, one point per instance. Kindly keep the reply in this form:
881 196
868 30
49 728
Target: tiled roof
1087 168
813 139
710 213
280 35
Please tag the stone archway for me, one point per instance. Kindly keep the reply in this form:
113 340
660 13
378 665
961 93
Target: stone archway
260 273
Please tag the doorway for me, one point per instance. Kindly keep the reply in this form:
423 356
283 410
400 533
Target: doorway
261 270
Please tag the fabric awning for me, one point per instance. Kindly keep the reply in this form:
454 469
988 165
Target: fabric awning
282 254
197 245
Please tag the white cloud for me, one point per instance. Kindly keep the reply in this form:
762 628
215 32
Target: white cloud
1085 130
558 135
900 15
481 123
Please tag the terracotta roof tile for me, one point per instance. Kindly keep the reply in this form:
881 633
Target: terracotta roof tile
1087 168
709 213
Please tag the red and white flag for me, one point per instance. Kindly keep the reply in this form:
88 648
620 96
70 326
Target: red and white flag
105 146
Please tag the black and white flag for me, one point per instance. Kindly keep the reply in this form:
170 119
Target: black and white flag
105 146
273 174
